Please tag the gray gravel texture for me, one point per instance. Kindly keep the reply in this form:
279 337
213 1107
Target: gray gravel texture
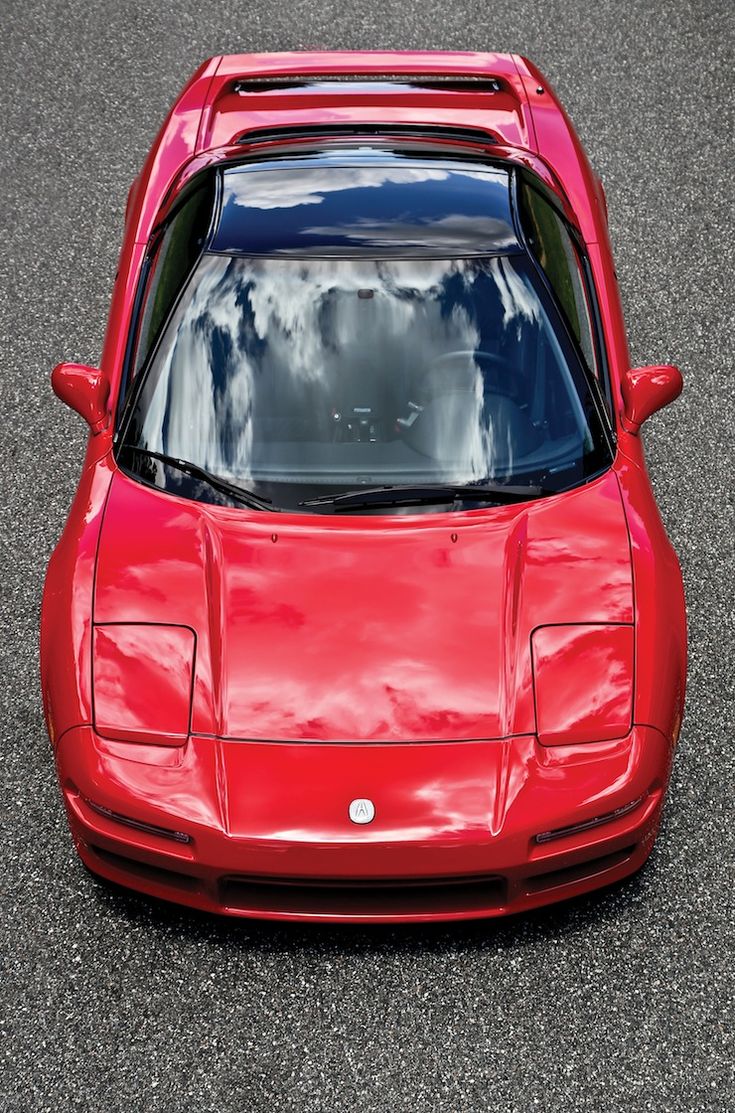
623 1001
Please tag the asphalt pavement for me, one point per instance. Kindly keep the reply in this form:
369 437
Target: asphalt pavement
622 1001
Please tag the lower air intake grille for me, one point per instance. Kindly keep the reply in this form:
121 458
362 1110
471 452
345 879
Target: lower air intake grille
394 897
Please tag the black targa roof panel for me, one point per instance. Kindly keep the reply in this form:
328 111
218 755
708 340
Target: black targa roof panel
390 209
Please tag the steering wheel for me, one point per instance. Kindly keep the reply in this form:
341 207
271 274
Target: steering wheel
464 386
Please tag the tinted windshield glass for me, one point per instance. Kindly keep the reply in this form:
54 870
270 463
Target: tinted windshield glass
295 378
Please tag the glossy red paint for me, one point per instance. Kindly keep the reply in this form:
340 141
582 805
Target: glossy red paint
463 811
142 678
660 613
647 389
301 617
524 678
583 681
85 389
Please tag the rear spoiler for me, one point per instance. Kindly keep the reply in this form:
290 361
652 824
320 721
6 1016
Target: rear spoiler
237 99
283 92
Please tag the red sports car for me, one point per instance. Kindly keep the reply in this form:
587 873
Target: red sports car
364 609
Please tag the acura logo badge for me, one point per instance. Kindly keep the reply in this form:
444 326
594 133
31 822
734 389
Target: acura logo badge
362 811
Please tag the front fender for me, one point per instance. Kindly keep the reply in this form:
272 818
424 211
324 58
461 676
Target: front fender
660 607
66 608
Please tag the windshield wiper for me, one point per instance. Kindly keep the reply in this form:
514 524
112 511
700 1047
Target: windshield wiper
416 494
247 498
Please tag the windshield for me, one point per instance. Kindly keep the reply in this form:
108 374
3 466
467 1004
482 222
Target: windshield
296 378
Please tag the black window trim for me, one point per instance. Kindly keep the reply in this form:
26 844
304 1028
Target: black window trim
145 270
127 398
602 392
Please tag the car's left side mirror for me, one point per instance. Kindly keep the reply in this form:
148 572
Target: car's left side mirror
647 389
85 389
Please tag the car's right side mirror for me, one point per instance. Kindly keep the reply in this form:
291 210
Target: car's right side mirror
86 389
647 389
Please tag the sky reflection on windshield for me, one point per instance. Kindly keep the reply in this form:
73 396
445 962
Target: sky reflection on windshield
359 369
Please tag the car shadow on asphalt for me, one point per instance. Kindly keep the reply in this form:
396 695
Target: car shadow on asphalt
585 913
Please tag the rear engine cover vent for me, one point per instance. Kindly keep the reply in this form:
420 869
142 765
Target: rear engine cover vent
449 82
414 131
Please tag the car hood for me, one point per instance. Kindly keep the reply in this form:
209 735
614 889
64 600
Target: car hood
367 629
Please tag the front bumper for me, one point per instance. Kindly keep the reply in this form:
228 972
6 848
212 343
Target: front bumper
454 835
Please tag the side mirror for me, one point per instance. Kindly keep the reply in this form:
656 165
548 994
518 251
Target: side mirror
85 389
647 389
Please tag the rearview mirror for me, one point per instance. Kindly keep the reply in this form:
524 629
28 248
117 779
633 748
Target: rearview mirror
647 389
85 389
